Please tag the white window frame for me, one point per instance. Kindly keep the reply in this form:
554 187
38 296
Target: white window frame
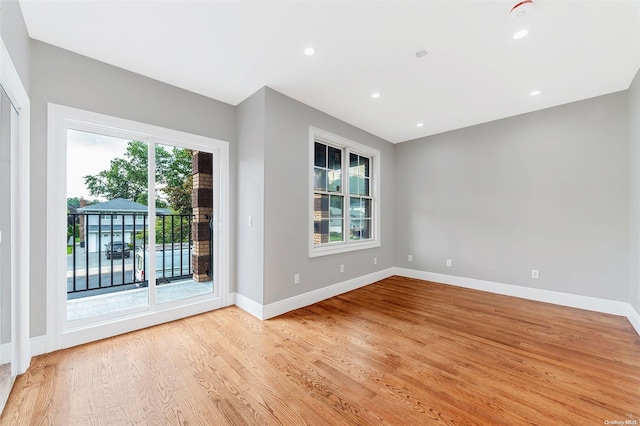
20 214
62 333
347 146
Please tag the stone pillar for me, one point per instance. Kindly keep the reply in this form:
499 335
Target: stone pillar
202 203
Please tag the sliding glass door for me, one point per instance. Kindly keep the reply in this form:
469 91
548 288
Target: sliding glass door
130 231
139 243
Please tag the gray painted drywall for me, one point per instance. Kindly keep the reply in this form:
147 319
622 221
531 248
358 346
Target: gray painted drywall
546 190
15 37
250 115
286 192
65 78
633 96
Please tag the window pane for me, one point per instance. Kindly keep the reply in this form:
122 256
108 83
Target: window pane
353 163
360 186
320 206
366 185
354 183
367 207
320 155
335 180
365 161
356 208
360 229
336 206
335 158
104 169
336 229
366 229
320 179
354 232
320 231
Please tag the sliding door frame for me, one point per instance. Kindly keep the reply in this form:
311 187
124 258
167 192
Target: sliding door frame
62 334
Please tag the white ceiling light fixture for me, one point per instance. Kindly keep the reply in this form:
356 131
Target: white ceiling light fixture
309 51
375 95
421 53
420 125
534 93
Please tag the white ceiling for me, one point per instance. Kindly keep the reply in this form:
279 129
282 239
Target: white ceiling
474 71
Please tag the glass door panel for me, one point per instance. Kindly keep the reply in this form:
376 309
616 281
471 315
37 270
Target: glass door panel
184 238
107 224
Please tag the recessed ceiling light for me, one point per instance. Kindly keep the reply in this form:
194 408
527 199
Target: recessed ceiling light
419 124
421 53
534 93
309 51
520 34
375 95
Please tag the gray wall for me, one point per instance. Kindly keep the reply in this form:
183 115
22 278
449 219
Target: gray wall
15 37
250 255
546 190
633 96
65 78
286 193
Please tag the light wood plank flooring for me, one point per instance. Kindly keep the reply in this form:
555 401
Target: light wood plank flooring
400 352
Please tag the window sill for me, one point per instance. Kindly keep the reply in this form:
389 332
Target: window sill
342 248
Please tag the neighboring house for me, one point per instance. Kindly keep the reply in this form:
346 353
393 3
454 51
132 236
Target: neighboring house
127 218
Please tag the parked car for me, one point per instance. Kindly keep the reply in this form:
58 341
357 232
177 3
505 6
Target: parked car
118 250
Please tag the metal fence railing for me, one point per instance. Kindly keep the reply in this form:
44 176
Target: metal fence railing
111 252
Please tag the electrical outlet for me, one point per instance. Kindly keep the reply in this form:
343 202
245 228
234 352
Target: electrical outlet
410 258
449 263
341 268
535 274
296 279
375 260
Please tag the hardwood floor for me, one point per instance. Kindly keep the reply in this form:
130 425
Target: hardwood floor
399 352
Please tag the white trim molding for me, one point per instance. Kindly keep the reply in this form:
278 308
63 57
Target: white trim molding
271 310
606 306
248 305
10 81
634 318
39 344
588 303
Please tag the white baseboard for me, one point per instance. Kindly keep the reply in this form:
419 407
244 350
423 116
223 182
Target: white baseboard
39 345
557 298
634 318
300 301
548 296
246 304
278 308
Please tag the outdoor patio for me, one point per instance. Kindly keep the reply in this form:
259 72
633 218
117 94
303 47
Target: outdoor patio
85 307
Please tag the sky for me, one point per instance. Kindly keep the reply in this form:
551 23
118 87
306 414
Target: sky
89 154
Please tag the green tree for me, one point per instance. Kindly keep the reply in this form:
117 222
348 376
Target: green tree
127 177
